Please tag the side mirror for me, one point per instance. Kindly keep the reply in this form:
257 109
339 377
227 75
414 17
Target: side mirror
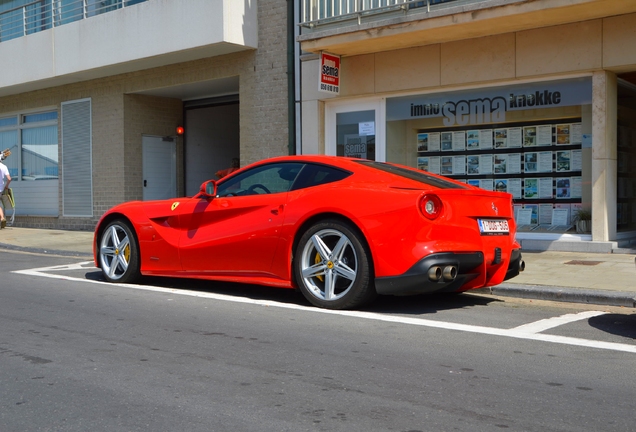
208 188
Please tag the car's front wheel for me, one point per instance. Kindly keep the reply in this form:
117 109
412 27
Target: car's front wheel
119 253
333 267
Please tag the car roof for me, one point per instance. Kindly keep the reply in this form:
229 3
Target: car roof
359 165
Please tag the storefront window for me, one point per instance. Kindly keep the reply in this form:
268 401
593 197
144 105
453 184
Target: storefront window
529 140
356 134
33 144
39 153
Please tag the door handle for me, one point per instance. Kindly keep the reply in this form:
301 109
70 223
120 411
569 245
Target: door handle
145 183
277 210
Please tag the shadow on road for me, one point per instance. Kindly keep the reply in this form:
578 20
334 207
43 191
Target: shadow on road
617 324
408 305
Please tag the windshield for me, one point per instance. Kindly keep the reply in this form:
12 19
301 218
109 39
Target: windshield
419 176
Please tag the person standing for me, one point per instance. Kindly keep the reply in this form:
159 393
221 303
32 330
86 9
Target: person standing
5 179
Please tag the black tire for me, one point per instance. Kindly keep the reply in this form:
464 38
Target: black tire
118 253
333 266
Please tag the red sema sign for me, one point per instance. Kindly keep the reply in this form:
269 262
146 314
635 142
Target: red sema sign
329 73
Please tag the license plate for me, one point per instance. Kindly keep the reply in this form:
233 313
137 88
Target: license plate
493 226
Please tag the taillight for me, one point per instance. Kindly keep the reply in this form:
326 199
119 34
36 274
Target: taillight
431 206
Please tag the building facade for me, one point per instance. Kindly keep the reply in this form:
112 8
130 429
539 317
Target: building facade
533 97
92 93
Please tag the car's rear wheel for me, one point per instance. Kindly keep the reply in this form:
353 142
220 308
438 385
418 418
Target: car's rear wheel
333 266
119 253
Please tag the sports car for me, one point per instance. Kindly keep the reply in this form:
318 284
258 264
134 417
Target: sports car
340 230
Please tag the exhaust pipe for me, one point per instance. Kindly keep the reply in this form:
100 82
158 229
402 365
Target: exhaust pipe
449 273
435 273
522 265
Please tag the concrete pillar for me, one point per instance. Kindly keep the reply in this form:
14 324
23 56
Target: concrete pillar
604 151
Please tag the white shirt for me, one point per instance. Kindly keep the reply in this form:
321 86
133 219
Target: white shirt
4 173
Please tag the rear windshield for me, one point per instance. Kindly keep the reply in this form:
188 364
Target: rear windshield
419 176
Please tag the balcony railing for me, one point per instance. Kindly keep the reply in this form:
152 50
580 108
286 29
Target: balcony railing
42 15
318 12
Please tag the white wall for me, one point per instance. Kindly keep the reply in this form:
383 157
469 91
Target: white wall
149 34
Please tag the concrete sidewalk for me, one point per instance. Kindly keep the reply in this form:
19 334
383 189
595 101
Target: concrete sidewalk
595 278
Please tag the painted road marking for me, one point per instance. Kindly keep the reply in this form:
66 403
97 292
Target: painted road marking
548 323
526 332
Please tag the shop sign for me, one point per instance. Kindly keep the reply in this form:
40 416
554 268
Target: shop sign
329 73
355 146
490 105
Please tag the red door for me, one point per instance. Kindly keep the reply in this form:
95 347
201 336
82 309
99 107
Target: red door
231 236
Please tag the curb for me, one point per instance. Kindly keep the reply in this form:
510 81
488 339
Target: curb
563 294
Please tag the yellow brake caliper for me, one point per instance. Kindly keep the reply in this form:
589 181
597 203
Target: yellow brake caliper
318 259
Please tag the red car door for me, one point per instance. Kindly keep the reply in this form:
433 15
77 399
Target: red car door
231 236
235 233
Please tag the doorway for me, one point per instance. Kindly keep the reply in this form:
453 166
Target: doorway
212 139
159 167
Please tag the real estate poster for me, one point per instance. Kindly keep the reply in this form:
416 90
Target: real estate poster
446 141
545 187
524 216
529 136
544 135
485 164
459 141
531 188
576 160
514 163
485 139
501 138
531 162
434 141
459 164
563 134
501 185
563 187
501 163
563 160
422 142
514 187
486 184
472 164
534 220
434 164
515 137
576 184
423 163
545 161
473 182
545 214
472 140
446 165
560 217
565 207
576 136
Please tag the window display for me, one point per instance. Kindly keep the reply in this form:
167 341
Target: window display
539 164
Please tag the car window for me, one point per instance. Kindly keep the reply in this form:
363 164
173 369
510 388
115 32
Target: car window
420 176
316 174
264 179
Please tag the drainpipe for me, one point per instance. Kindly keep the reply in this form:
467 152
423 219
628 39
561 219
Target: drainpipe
291 79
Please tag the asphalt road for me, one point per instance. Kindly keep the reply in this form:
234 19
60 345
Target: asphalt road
77 354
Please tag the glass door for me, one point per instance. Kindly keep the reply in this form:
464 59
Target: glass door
355 130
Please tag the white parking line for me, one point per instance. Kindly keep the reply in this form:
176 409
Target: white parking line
548 323
527 332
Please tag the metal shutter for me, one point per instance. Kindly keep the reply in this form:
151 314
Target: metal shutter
77 167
